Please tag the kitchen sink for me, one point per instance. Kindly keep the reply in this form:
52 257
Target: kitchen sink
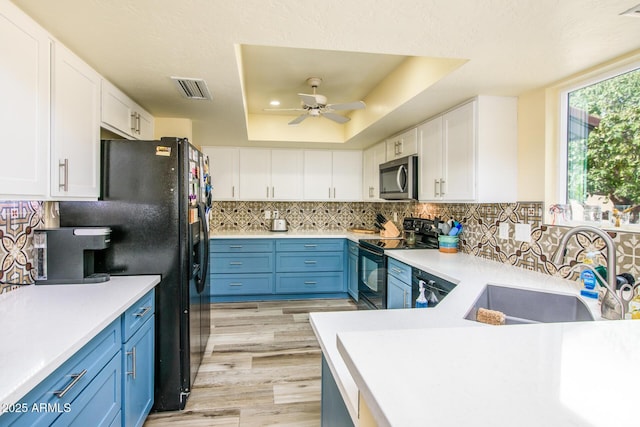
530 306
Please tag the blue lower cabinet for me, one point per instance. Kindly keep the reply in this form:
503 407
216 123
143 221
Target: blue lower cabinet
333 410
138 372
241 263
69 389
99 404
303 262
398 293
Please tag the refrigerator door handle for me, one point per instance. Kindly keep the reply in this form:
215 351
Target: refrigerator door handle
203 270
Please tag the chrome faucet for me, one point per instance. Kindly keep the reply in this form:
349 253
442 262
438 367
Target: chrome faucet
611 306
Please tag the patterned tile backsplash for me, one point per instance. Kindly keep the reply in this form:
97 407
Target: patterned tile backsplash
479 237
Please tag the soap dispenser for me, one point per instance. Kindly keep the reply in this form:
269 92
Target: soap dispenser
588 277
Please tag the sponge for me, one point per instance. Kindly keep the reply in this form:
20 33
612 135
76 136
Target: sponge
491 317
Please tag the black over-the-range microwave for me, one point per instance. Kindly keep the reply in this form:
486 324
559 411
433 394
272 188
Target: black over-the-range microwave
399 179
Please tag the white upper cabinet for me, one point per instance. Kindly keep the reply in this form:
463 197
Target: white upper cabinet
286 174
332 175
470 153
121 115
270 174
24 106
224 167
402 145
75 136
372 157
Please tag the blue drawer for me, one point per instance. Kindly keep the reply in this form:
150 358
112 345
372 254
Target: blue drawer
301 283
241 245
298 262
309 245
137 314
241 284
399 270
241 263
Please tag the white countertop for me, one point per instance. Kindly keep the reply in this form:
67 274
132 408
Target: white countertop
302 234
398 341
44 325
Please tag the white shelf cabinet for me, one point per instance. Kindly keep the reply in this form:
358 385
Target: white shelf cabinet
121 115
402 145
267 174
224 167
372 157
75 136
24 106
469 154
332 175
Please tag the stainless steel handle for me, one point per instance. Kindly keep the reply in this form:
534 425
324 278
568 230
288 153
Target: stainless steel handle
138 123
235 263
334 192
132 372
267 191
396 270
401 170
64 164
441 190
404 298
144 311
235 246
76 377
233 191
310 262
436 182
273 192
308 245
370 192
329 192
235 284
310 282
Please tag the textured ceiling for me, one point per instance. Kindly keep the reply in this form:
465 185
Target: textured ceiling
511 47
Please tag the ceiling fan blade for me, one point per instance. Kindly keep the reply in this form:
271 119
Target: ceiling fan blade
283 109
312 100
357 105
336 117
298 119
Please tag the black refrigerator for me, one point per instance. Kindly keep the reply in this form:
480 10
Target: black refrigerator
155 196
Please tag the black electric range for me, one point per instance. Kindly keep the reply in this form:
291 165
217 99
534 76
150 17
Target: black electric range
372 263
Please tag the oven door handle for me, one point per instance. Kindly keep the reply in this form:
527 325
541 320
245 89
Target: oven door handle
378 254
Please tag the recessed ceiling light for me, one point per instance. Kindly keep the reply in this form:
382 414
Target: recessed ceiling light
634 11
274 103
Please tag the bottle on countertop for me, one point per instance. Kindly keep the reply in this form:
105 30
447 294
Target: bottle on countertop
588 277
421 301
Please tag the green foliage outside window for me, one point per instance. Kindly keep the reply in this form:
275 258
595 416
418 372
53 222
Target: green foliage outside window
604 140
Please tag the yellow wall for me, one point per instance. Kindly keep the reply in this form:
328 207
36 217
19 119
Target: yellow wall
166 126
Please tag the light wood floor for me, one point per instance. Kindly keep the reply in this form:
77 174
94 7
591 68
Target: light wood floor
261 368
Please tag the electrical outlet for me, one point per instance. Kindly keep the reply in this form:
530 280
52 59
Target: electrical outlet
267 214
503 231
523 233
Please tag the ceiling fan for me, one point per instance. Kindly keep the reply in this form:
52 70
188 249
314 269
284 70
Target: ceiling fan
315 105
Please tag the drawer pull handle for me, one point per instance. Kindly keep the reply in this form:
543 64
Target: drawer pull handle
144 311
310 282
235 246
76 377
132 353
235 284
396 270
310 262
310 246
235 263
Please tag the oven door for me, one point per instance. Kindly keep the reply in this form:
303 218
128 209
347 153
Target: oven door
372 279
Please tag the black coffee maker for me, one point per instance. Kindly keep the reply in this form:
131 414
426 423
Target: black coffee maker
67 255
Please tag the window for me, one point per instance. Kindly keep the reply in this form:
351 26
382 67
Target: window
602 131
